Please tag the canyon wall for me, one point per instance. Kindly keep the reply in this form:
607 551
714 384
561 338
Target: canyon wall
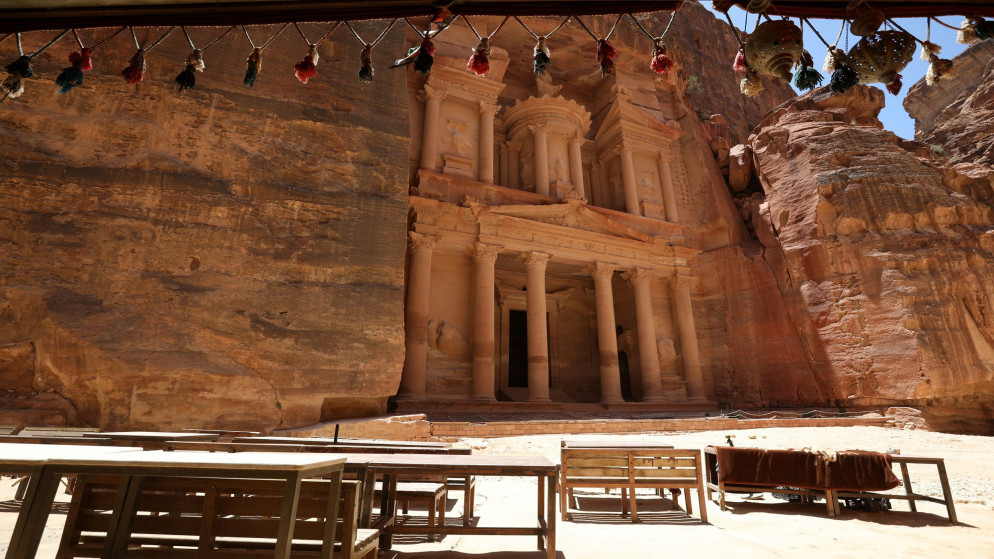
219 257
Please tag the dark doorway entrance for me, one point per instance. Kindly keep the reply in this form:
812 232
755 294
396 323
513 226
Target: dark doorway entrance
517 349
626 376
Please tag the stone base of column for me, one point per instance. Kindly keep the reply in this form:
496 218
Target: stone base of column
483 399
539 399
612 400
656 400
699 400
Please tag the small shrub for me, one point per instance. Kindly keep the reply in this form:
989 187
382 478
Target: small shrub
693 85
938 149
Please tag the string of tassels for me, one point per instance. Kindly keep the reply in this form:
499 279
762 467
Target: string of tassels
20 69
254 62
81 61
479 62
806 77
541 54
308 67
605 50
423 55
187 79
661 62
134 73
366 55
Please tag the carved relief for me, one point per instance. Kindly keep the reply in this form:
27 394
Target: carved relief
528 170
457 141
447 339
559 172
666 351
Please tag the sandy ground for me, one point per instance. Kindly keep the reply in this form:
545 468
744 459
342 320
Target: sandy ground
748 529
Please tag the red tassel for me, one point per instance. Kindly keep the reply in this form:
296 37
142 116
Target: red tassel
83 57
479 63
895 86
135 72
740 62
661 63
441 14
605 55
308 67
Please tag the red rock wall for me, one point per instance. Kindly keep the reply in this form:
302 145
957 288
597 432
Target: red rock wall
222 257
883 256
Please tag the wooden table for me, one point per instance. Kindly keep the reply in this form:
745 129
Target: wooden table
31 459
612 444
342 442
460 465
134 467
152 440
910 496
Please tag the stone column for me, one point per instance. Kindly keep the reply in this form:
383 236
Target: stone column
541 135
502 178
628 178
538 336
669 196
486 167
576 164
432 98
652 387
412 378
605 182
607 338
688 339
483 321
514 164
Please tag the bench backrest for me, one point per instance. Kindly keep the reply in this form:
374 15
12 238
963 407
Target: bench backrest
640 466
206 517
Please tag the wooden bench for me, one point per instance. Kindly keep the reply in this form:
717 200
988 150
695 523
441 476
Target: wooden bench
629 469
909 494
210 518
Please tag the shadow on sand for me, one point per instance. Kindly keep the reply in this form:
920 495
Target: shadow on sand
886 517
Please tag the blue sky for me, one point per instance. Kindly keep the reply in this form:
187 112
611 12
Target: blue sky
894 117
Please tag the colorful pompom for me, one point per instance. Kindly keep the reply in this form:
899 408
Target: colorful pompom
660 62
938 69
843 78
135 71
253 67
894 87
542 57
425 58
751 85
740 64
605 56
807 77
833 59
71 77
187 79
479 62
308 67
17 71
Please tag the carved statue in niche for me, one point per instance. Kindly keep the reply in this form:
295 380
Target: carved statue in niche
528 171
647 185
447 339
559 170
666 351
457 140
543 83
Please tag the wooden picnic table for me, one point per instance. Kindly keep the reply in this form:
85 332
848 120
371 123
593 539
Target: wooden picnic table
152 436
612 444
459 465
341 442
134 467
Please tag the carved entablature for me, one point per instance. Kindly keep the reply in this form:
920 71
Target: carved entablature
563 116
624 122
464 84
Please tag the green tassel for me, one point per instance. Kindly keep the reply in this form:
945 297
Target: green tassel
69 78
807 78
423 62
253 66
187 79
984 29
843 78
21 67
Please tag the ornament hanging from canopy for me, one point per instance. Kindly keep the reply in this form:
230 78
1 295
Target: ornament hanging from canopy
366 55
880 57
134 72
479 62
81 61
541 55
308 67
187 79
605 50
253 64
773 48
423 55
20 69
661 63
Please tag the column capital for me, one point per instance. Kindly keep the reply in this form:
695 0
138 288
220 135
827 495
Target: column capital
486 253
601 270
664 157
682 281
535 259
513 145
422 242
504 148
638 276
622 148
487 108
539 128
576 138
430 92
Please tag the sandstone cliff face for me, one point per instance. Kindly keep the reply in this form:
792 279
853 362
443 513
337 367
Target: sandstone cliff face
222 257
884 259
956 116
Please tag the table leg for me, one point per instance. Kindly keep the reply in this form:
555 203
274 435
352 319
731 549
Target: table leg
388 510
34 513
907 486
550 545
331 518
122 520
288 516
541 510
947 495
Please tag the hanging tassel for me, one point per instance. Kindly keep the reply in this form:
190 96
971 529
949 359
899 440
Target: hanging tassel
939 68
751 85
975 29
253 67
442 11
605 56
82 61
194 63
930 49
135 72
807 77
17 71
425 58
740 64
894 87
366 59
660 62
833 59
479 63
308 67
843 78
542 57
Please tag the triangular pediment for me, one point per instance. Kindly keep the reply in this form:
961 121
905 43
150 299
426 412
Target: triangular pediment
572 215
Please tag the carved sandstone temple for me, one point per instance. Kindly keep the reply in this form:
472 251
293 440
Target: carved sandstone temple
550 255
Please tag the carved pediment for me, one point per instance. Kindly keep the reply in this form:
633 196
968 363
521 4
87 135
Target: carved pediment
572 214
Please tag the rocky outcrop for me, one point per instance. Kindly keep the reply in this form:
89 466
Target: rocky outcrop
220 257
884 259
955 116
